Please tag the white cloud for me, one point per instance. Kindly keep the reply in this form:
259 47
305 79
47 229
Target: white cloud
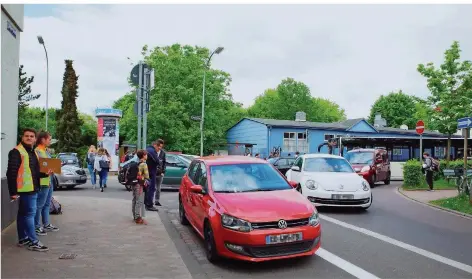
350 54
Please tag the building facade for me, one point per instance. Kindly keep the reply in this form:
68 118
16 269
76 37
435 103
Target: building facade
12 26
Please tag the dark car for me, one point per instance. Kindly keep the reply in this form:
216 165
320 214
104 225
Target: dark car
283 164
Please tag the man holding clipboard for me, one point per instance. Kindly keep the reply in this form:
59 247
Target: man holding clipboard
46 187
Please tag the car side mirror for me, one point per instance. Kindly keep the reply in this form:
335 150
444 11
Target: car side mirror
293 184
198 189
295 168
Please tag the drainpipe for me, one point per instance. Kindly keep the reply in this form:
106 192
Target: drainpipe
307 140
268 140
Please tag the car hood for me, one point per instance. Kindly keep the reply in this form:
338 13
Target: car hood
336 181
265 206
358 167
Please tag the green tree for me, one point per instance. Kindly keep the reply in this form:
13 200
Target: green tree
450 85
292 96
398 108
177 96
25 95
68 121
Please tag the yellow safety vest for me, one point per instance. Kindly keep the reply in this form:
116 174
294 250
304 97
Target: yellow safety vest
42 153
24 180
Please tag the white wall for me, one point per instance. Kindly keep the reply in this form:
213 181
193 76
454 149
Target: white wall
12 16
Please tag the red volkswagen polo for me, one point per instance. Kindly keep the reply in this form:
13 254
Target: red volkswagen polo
243 208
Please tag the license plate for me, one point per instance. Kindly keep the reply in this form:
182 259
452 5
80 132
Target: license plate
284 238
342 197
83 177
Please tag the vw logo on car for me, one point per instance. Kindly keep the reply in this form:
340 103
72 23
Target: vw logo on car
282 224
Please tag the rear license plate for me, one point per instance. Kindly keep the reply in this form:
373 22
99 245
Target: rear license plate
342 197
284 238
83 177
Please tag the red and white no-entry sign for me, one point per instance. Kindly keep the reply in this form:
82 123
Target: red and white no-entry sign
420 127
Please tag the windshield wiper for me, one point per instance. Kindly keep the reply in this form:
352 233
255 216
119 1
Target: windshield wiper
225 192
259 190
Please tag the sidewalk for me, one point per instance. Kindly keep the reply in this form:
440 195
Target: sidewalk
107 244
426 197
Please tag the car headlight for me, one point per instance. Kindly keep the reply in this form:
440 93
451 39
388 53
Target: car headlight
365 169
314 219
312 185
235 224
365 186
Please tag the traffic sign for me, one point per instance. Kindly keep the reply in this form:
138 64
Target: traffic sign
196 118
464 123
420 127
134 76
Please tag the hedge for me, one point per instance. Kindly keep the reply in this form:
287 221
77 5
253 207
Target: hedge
412 173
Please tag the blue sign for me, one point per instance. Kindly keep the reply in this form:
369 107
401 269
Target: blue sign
464 123
11 29
108 112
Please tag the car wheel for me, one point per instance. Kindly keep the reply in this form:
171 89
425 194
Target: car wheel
182 217
210 246
56 183
387 181
372 181
299 188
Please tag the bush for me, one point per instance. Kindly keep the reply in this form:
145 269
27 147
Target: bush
412 173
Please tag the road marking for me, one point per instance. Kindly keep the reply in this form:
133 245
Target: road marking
354 270
414 249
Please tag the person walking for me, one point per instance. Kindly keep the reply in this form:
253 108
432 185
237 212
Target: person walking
23 177
110 162
429 171
46 188
156 162
138 188
102 166
92 152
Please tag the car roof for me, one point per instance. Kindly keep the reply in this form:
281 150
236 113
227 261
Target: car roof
320 155
230 159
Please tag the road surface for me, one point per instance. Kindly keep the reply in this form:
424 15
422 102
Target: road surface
395 238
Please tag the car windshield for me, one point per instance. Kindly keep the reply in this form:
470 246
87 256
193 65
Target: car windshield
185 159
272 160
253 177
364 158
327 165
66 158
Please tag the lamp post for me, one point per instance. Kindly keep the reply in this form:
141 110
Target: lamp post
218 50
41 42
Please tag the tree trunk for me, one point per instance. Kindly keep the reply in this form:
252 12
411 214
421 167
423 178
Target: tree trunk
448 149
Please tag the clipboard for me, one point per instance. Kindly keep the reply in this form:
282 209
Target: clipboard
46 164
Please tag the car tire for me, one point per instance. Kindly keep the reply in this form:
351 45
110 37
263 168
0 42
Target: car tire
299 189
182 217
56 183
372 181
387 181
210 245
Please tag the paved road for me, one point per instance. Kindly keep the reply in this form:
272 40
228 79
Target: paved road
395 238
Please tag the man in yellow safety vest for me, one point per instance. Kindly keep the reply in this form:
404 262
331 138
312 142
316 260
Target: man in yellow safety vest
23 177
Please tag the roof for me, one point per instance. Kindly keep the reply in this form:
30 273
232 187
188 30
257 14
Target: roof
339 126
225 160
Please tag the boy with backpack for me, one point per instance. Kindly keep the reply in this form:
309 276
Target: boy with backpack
430 166
138 177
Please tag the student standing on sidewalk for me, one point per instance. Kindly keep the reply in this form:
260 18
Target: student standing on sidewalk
138 188
45 192
428 168
102 166
109 166
92 152
156 163
23 177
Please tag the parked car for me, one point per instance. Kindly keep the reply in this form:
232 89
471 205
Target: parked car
372 164
189 157
176 166
69 159
283 164
329 180
245 209
70 177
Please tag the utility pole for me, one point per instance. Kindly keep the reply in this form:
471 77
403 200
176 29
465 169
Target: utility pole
142 76
139 96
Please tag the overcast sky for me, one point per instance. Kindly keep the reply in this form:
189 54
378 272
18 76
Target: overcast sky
350 54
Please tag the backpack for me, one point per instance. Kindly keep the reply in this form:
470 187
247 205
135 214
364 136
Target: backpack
435 164
55 207
131 175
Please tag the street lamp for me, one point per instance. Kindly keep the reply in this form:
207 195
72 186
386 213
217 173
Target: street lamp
41 42
218 50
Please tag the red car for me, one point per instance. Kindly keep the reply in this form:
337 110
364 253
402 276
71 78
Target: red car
245 209
372 164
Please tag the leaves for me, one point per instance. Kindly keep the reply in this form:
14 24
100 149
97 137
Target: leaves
290 97
25 94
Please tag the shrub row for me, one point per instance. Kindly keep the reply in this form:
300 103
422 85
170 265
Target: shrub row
413 173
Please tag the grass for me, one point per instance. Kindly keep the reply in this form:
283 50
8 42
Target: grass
441 184
460 203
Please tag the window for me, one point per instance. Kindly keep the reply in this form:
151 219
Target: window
302 143
440 152
360 158
192 170
397 151
171 160
328 137
203 177
290 142
327 165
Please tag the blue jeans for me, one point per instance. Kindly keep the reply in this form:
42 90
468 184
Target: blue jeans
93 176
25 218
43 204
151 190
103 174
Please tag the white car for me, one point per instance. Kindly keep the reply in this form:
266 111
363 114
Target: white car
329 180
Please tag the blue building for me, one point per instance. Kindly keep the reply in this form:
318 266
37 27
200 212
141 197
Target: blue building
263 136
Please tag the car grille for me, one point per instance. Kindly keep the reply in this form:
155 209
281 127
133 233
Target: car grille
80 172
281 249
339 202
274 225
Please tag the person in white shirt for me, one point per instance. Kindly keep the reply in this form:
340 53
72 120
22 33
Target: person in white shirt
102 166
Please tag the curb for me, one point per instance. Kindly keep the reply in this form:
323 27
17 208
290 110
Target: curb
457 213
